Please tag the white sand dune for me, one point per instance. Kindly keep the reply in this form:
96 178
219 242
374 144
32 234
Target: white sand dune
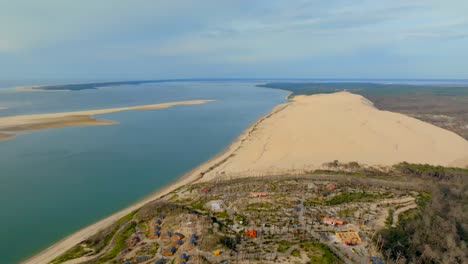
312 130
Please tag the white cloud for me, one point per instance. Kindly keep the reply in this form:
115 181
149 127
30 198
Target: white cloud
215 33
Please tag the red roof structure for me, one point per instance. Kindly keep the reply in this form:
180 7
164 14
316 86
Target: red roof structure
332 221
251 233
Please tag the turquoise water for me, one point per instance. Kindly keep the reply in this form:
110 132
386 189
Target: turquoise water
56 181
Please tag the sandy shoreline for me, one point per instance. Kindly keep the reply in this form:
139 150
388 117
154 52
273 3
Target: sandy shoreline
192 176
252 145
76 118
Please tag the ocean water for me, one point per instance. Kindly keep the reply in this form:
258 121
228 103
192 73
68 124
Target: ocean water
54 182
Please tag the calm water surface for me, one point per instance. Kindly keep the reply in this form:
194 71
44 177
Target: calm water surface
54 182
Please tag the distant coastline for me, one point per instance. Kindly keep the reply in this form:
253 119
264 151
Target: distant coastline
270 82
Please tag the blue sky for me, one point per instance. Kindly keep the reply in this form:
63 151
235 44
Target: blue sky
134 39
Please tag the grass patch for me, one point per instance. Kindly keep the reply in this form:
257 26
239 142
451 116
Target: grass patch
143 226
126 218
296 253
283 246
73 253
319 253
313 202
349 197
240 218
348 212
154 249
222 215
119 242
199 206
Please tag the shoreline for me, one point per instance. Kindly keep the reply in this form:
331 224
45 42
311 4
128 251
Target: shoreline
193 176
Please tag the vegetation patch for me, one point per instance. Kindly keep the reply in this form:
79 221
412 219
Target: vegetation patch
119 243
73 253
349 197
319 253
296 253
437 231
283 246
222 215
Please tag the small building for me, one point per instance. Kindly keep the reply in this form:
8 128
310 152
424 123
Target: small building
169 251
172 249
332 221
349 238
158 222
193 242
215 206
184 256
259 194
160 261
251 233
194 236
217 252
141 258
157 234
179 242
157 228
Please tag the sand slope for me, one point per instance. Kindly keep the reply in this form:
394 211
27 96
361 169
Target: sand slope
315 129
77 118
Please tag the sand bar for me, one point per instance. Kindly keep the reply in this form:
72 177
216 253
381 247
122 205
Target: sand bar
77 118
302 135
4 136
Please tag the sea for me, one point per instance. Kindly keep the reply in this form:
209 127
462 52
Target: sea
54 182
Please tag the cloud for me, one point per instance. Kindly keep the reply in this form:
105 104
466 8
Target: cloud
72 36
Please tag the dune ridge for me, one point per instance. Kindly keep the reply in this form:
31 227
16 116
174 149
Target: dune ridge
76 118
314 129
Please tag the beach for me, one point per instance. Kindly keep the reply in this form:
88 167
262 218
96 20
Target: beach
301 135
76 118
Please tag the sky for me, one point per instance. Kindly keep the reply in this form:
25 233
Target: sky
159 39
